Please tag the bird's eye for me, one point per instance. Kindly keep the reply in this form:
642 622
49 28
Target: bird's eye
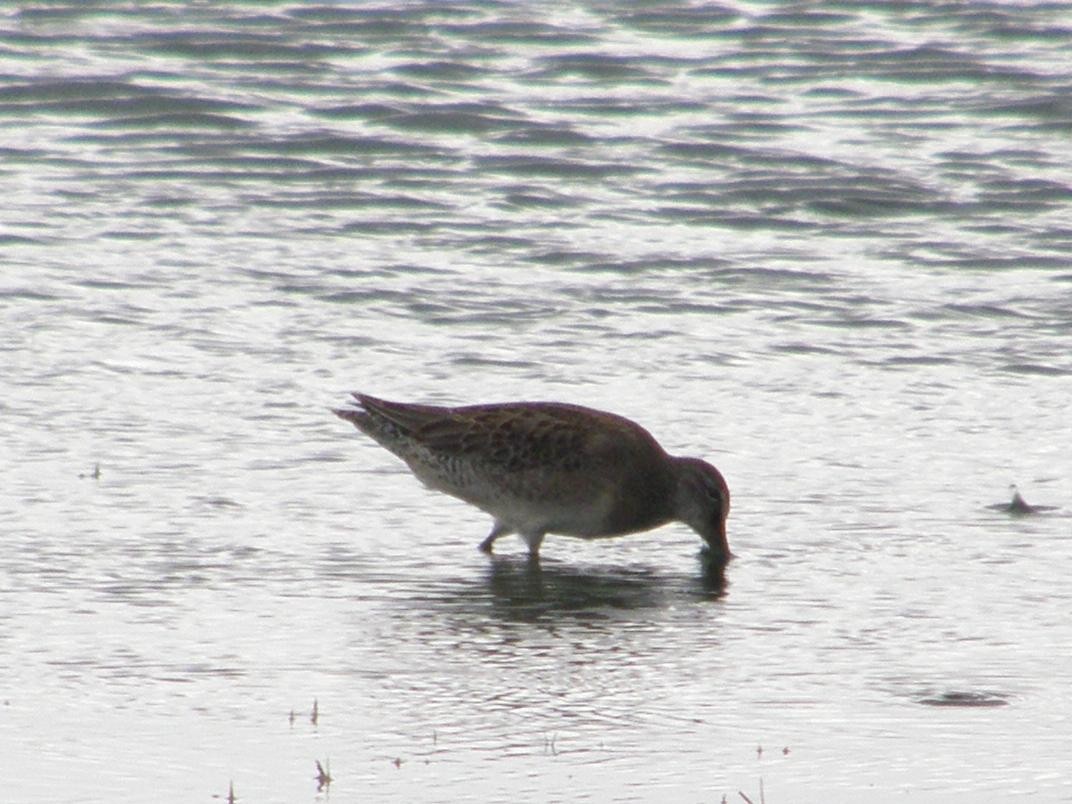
715 494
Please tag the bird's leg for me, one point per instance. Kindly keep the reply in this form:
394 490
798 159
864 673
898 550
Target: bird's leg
533 540
499 529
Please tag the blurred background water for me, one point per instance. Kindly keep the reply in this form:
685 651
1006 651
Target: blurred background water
824 246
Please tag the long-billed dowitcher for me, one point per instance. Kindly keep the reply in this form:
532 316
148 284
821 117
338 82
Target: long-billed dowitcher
548 467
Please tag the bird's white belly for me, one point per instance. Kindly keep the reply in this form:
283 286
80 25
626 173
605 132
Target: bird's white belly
584 515
544 517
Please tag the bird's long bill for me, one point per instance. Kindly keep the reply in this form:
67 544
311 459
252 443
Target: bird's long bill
718 544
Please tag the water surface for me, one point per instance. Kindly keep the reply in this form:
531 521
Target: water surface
825 248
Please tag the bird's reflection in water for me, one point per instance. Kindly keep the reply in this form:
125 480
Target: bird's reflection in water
531 590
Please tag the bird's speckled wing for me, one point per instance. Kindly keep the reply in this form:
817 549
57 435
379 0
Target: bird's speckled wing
514 437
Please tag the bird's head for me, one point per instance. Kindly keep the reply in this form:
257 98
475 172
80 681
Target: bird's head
702 501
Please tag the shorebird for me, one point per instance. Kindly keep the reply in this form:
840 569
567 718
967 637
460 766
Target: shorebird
549 467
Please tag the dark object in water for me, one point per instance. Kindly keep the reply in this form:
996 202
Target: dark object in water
1019 506
964 699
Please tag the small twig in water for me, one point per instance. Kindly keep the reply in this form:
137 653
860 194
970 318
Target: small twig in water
549 746
323 775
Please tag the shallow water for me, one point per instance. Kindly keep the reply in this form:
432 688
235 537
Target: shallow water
828 250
